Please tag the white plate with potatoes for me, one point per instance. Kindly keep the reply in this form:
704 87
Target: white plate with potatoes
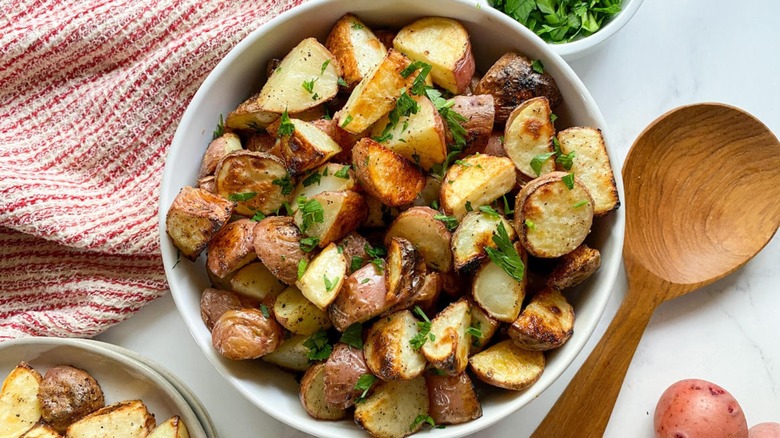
68 387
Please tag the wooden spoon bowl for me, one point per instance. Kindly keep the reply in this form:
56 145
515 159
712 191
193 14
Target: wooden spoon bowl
701 186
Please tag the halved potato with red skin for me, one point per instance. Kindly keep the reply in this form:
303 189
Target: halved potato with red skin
453 399
428 235
291 354
356 48
215 302
299 315
386 175
323 277
232 248
444 44
474 233
330 177
195 216
401 273
217 149
343 369
313 398
496 292
277 242
342 213
479 112
575 267
362 297
245 334
248 177
306 148
392 410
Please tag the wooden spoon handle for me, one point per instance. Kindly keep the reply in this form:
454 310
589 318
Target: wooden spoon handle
584 408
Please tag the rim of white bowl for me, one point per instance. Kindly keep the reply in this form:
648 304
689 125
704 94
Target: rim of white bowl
574 345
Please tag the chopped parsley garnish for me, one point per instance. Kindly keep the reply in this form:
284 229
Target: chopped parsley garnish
490 211
286 127
422 418
559 21
418 85
324 66
364 384
285 183
553 117
530 224
453 119
435 204
343 173
314 178
346 121
353 335
239 197
365 280
342 82
330 284
467 206
258 216
505 256
309 85
568 179
307 244
220 131
356 25
474 331
424 328
537 66
376 252
302 265
318 345
507 211
264 311
311 211
451 222
404 107
580 204
356 263
538 161
566 160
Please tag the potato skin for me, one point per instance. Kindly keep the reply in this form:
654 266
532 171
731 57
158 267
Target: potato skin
68 394
452 399
764 430
195 216
343 369
231 248
245 334
386 175
363 296
277 244
215 302
698 408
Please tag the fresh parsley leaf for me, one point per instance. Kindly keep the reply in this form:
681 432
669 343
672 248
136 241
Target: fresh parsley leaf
566 160
375 252
364 384
264 311
307 244
553 117
258 216
556 145
346 121
330 284
537 66
343 173
356 263
285 183
239 197
474 331
568 179
468 207
490 211
365 280
404 107
324 66
302 265
435 204
451 222
311 211
286 127
423 418
580 204
538 161
314 178
356 25
507 211
220 130
424 328
505 256
342 82
530 224
318 345
309 85
463 163
353 335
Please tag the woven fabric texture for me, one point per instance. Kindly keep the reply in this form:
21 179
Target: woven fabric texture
90 96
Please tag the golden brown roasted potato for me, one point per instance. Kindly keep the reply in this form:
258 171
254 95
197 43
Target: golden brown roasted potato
445 45
356 48
41 430
591 165
474 233
299 315
232 247
511 80
68 394
245 334
575 267
391 411
322 279
479 112
208 183
389 352
547 322
250 115
386 175
341 213
125 419
263 142
428 235
306 148
330 177
277 243
528 135
291 354
256 281
363 296
193 219
483 324
400 273
306 77
418 137
218 148
254 179
173 427
20 408
215 302
477 180
345 139
453 399
506 365
343 369
498 293
376 94
312 395
551 218
449 349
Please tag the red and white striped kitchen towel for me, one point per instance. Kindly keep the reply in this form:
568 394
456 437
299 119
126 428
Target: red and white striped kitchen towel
91 92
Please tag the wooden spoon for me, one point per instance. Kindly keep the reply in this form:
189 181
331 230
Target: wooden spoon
702 184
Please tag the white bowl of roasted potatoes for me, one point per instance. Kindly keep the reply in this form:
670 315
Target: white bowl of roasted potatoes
391 217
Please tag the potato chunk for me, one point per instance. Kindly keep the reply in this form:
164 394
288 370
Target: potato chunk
343 369
306 148
386 175
547 322
477 180
449 350
324 276
253 179
388 349
528 135
575 267
67 394
20 408
299 315
453 399
428 235
342 213
232 248
362 297
473 235
291 354
356 48
312 395
278 244
173 427
391 411
125 419
217 149
498 293
245 334
506 365
193 219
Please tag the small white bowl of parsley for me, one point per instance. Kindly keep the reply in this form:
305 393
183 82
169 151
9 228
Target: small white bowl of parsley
572 28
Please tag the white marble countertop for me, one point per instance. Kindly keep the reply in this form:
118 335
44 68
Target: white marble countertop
672 53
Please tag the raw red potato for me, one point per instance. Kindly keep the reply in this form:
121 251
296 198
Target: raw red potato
698 408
